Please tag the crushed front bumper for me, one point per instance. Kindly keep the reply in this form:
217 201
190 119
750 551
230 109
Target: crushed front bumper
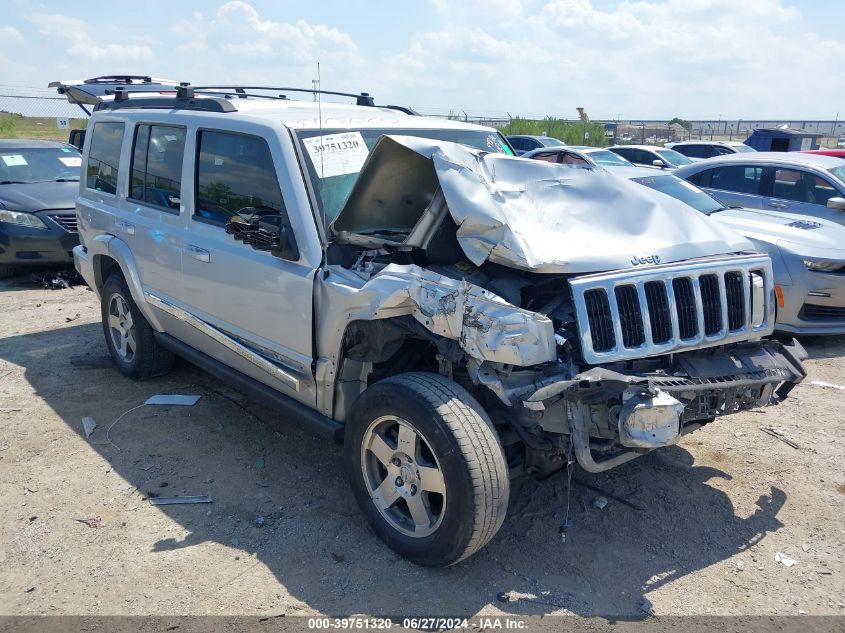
630 414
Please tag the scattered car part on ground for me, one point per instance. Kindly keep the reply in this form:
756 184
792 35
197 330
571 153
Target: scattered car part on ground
429 314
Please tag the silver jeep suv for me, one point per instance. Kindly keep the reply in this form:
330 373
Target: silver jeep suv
454 314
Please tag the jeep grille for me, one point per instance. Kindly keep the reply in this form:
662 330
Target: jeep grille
638 313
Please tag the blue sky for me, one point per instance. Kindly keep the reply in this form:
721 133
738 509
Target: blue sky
632 59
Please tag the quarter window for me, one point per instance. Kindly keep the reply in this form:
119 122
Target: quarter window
157 165
234 171
104 157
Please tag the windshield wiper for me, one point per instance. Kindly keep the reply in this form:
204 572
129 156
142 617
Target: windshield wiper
14 182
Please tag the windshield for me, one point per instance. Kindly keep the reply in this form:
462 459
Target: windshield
839 172
674 158
341 154
42 164
548 141
742 147
683 191
606 157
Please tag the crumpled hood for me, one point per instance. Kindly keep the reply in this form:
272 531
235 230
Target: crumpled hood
801 233
524 214
39 195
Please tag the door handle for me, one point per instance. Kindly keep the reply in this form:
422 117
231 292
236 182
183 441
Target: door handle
199 254
125 227
776 205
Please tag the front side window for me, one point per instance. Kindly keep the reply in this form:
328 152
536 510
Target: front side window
736 178
104 157
234 171
157 165
790 184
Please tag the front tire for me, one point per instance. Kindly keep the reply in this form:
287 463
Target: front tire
129 337
427 468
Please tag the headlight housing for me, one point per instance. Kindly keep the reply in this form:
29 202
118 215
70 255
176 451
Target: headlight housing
21 219
824 267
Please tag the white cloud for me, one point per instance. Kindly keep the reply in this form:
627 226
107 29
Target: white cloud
82 45
640 58
10 34
237 33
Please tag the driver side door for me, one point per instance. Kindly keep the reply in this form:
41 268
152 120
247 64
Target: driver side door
253 308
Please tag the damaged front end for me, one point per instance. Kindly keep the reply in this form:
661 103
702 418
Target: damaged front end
482 268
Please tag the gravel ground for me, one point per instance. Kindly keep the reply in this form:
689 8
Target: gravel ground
692 529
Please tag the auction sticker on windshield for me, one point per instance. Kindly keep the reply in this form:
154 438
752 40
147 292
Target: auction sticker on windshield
71 161
337 154
13 160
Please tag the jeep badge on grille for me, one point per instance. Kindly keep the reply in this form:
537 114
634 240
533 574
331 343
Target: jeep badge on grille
650 259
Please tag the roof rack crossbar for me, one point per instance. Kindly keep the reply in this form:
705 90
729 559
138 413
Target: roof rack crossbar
127 79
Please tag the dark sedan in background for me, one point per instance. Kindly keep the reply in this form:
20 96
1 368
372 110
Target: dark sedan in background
39 182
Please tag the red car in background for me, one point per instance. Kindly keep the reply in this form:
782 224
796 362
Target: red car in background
838 153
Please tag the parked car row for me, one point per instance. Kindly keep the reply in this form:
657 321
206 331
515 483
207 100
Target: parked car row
789 205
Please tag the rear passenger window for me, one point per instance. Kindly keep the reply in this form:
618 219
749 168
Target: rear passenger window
157 166
549 157
234 171
104 157
737 178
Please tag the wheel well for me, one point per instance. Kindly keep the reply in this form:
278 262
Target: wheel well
104 266
374 350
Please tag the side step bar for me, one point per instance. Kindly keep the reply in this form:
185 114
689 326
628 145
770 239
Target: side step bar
316 422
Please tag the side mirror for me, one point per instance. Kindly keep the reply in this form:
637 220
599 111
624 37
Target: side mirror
658 163
264 229
836 203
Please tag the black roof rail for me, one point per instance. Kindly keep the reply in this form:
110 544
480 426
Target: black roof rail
214 98
361 99
205 104
410 111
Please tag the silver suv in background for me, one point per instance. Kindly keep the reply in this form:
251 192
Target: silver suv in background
397 282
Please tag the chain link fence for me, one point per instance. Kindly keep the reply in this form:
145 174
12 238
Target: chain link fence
28 112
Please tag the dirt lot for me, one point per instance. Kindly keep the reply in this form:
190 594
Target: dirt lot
283 535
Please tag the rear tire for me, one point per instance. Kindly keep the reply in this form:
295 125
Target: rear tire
427 468
7 270
129 337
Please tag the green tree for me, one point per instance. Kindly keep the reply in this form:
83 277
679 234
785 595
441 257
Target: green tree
687 125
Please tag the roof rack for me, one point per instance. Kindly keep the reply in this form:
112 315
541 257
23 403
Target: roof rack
111 92
361 99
